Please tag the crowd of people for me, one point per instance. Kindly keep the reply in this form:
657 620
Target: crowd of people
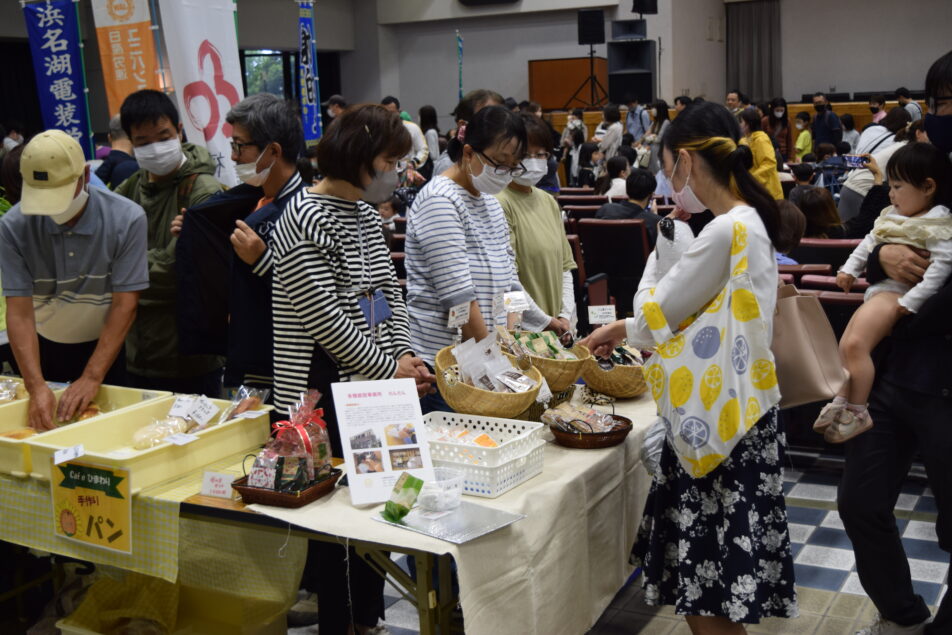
128 275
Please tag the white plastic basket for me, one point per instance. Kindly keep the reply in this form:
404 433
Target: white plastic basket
490 482
515 439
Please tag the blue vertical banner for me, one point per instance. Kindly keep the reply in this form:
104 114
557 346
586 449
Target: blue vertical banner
307 70
53 29
459 60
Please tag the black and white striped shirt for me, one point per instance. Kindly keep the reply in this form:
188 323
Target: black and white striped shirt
319 272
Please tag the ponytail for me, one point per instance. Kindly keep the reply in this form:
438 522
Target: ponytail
709 130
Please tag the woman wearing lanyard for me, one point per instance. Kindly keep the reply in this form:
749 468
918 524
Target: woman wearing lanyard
457 247
715 546
339 315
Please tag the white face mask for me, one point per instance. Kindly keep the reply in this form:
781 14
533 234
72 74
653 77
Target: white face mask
160 158
536 169
75 206
778 114
487 181
381 186
248 174
685 198
799 125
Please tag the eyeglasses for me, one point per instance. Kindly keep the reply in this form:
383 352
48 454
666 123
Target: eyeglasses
933 102
540 155
237 147
501 170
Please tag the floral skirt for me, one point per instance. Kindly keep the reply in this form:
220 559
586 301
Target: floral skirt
719 545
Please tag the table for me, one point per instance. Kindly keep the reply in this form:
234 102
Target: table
553 572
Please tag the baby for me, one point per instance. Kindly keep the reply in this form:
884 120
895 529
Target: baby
920 179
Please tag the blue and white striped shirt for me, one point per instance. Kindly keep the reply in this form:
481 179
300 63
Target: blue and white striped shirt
457 250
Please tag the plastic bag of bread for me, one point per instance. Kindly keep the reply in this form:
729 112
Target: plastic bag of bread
246 399
8 390
151 435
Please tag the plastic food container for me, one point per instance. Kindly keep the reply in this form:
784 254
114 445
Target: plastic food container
15 454
443 492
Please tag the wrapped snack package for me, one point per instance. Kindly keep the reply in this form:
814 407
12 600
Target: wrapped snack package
246 399
545 344
298 453
572 418
482 364
9 390
402 498
151 435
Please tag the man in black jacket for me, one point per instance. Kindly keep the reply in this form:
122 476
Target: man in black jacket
119 164
640 186
911 404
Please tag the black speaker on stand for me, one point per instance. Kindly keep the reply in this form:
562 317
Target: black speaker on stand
591 31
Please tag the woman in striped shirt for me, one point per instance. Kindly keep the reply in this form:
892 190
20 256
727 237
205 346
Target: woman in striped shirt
339 315
457 246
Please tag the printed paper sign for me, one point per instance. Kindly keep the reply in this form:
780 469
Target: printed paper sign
381 429
68 454
217 484
181 438
516 302
499 304
602 314
458 316
92 505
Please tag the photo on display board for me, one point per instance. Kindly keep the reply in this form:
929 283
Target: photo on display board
398 434
368 462
406 459
365 440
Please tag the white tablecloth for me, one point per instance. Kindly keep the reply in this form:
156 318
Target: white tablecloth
553 572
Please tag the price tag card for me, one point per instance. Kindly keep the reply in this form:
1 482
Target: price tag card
516 302
217 484
499 304
182 406
181 438
458 316
92 505
602 314
202 411
68 454
251 414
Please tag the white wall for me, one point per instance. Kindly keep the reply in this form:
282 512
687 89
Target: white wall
272 24
861 46
697 51
400 11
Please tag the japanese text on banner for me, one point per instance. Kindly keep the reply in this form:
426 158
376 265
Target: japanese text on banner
126 48
53 29
92 505
310 93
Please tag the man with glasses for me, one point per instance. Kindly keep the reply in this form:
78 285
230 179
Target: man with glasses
266 140
912 405
172 176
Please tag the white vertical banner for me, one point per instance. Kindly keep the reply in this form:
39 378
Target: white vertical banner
202 44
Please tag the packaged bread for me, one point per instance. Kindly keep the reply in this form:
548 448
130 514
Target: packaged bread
18 433
151 435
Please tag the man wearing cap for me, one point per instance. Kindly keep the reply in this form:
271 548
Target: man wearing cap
335 105
73 261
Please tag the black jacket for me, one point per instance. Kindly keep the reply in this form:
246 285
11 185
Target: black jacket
116 168
626 210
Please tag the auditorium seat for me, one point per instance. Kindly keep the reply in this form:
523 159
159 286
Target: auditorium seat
833 252
787 278
828 283
798 271
581 200
397 242
398 258
839 308
576 191
618 248
571 225
399 225
663 210
578 212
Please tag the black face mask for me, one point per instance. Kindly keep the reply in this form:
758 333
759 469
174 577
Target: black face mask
819 107
874 109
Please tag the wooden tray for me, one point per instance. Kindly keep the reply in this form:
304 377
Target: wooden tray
593 440
261 496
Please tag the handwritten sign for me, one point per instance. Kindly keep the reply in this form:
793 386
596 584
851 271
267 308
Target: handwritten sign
602 314
217 484
92 505
516 302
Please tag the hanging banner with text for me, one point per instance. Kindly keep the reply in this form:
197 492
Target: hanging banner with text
92 505
309 90
126 48
202 44
53 29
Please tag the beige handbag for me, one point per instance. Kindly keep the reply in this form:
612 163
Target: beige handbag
809 367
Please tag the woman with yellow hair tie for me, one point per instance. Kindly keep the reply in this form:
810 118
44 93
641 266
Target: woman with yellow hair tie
713 540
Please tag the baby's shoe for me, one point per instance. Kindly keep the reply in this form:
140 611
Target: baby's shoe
828 415
849 424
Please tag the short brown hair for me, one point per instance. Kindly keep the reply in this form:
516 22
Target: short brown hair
537 133
356 138
792 225
818 206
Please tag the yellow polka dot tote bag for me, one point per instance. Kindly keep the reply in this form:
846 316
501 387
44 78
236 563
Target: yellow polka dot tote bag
716 377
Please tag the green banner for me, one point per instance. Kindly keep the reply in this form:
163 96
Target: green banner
91 478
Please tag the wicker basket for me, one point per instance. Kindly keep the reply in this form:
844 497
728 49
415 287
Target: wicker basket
593 440
622 382
262 496
562 373
467 399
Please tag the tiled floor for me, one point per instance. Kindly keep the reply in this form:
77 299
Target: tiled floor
831 598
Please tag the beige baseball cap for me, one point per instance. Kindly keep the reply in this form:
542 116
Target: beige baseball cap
51 164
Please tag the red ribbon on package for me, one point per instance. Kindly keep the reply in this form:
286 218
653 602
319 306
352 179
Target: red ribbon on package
281 427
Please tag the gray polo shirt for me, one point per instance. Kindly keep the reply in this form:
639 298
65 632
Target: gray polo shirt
71 272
